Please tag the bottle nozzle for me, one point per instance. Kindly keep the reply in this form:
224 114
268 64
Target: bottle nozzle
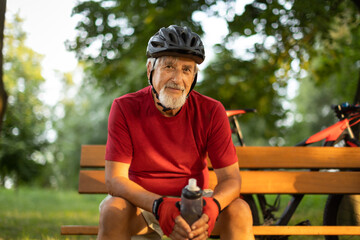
192 185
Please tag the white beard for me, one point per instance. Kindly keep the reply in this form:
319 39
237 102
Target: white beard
169 101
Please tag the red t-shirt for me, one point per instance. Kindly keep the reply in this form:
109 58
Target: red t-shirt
164 152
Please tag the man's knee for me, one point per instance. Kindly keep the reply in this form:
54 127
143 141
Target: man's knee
116 210
238 211
235 221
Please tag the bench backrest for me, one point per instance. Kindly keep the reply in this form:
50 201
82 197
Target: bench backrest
286 170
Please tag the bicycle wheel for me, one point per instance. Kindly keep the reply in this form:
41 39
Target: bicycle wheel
342 210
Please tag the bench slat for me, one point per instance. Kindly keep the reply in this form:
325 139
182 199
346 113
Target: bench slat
79 230
298 157
262 157
92 156
258 230
267 182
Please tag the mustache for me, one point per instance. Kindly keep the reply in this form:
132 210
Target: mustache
174 85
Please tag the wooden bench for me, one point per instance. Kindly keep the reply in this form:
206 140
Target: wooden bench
287 176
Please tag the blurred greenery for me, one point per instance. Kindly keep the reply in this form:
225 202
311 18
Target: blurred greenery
289 59
22 140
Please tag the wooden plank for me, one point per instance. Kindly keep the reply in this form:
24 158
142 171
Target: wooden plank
263 157
267 182
306 230
92 181
301 182
298 157
92 156
258 230
79 230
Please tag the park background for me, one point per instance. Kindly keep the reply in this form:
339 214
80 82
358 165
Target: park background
289 59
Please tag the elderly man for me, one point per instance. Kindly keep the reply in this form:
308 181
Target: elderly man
158 138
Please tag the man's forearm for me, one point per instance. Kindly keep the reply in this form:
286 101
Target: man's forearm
132 192
226 191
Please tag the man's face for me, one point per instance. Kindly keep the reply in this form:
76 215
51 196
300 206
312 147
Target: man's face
172 79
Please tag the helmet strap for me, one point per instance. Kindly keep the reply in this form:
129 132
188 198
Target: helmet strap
192 85
164 109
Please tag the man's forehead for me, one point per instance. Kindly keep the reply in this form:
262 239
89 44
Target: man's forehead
174 60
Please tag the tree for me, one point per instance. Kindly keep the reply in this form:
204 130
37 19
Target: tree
3 95
296 40
23 141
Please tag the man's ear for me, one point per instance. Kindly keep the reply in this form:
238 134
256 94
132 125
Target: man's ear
148 70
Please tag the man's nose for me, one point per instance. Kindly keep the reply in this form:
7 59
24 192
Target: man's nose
177 76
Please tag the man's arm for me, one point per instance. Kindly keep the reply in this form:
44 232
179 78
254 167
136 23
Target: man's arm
119 185
228 186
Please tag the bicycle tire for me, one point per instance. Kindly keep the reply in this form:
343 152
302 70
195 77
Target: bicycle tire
253 207
341 210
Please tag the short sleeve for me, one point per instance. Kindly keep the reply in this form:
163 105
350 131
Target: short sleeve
119 146
220 147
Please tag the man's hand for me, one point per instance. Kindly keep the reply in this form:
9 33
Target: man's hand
181 229
198 230
166 212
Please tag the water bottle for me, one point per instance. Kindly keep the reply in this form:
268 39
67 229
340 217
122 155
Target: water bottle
191 204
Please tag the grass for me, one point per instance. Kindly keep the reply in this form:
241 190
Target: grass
32 213
38 213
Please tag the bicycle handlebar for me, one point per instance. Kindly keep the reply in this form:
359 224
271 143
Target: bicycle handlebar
345 109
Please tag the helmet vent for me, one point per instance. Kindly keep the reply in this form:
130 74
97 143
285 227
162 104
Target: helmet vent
193 42
172 38
183 36
157 44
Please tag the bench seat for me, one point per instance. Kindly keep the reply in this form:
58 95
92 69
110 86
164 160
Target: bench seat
265 170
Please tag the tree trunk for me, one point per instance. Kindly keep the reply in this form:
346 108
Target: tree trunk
356 128
357 4
3 95
357 93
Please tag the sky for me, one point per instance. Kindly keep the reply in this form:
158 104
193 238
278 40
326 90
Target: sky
48 24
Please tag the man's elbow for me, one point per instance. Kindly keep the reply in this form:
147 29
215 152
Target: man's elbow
113 185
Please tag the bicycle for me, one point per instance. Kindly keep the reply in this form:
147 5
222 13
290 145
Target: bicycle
339 133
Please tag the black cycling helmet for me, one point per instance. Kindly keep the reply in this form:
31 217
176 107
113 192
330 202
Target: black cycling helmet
176 41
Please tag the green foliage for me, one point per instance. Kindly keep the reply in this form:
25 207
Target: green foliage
113 36
296 40
230 81
23 139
